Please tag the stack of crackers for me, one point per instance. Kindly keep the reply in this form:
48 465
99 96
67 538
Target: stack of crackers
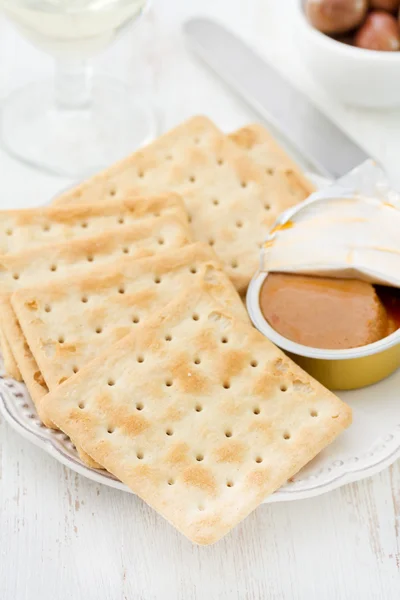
121 311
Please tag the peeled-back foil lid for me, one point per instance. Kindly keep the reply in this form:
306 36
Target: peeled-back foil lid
350 229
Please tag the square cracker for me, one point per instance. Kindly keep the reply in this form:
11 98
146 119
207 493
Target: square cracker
90 312
145 238
199 414
231 200
56 261
263 148
44 263
26 229
146 284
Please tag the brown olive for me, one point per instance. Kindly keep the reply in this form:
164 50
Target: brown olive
336 16
379 32
345 38
389 5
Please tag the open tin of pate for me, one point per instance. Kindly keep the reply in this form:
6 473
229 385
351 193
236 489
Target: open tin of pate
350 230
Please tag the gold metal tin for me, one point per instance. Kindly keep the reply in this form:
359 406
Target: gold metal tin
335 369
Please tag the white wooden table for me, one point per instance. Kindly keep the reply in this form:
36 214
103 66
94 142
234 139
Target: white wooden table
63 537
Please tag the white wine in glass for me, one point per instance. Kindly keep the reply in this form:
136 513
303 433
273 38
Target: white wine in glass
77 123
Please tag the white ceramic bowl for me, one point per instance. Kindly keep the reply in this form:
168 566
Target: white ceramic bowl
355 76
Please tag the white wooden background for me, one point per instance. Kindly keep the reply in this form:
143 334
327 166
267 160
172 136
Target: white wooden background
65 538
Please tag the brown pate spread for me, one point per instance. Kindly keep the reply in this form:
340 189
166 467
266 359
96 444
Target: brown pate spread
328 313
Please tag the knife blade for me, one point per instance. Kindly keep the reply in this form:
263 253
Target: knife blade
273 98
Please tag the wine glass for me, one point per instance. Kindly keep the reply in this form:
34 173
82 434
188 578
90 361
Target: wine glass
78 123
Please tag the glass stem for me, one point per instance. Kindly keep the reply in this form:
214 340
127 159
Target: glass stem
73 84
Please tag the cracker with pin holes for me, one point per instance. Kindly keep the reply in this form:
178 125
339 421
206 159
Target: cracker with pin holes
263 148
78 257
96 310
144 238
28 228
67 323
231 200
199 414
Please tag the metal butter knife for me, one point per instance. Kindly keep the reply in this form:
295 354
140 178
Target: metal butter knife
274 99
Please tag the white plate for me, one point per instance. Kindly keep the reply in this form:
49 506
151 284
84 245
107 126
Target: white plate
371 444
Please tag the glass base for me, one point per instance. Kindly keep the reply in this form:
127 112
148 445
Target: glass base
74 142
